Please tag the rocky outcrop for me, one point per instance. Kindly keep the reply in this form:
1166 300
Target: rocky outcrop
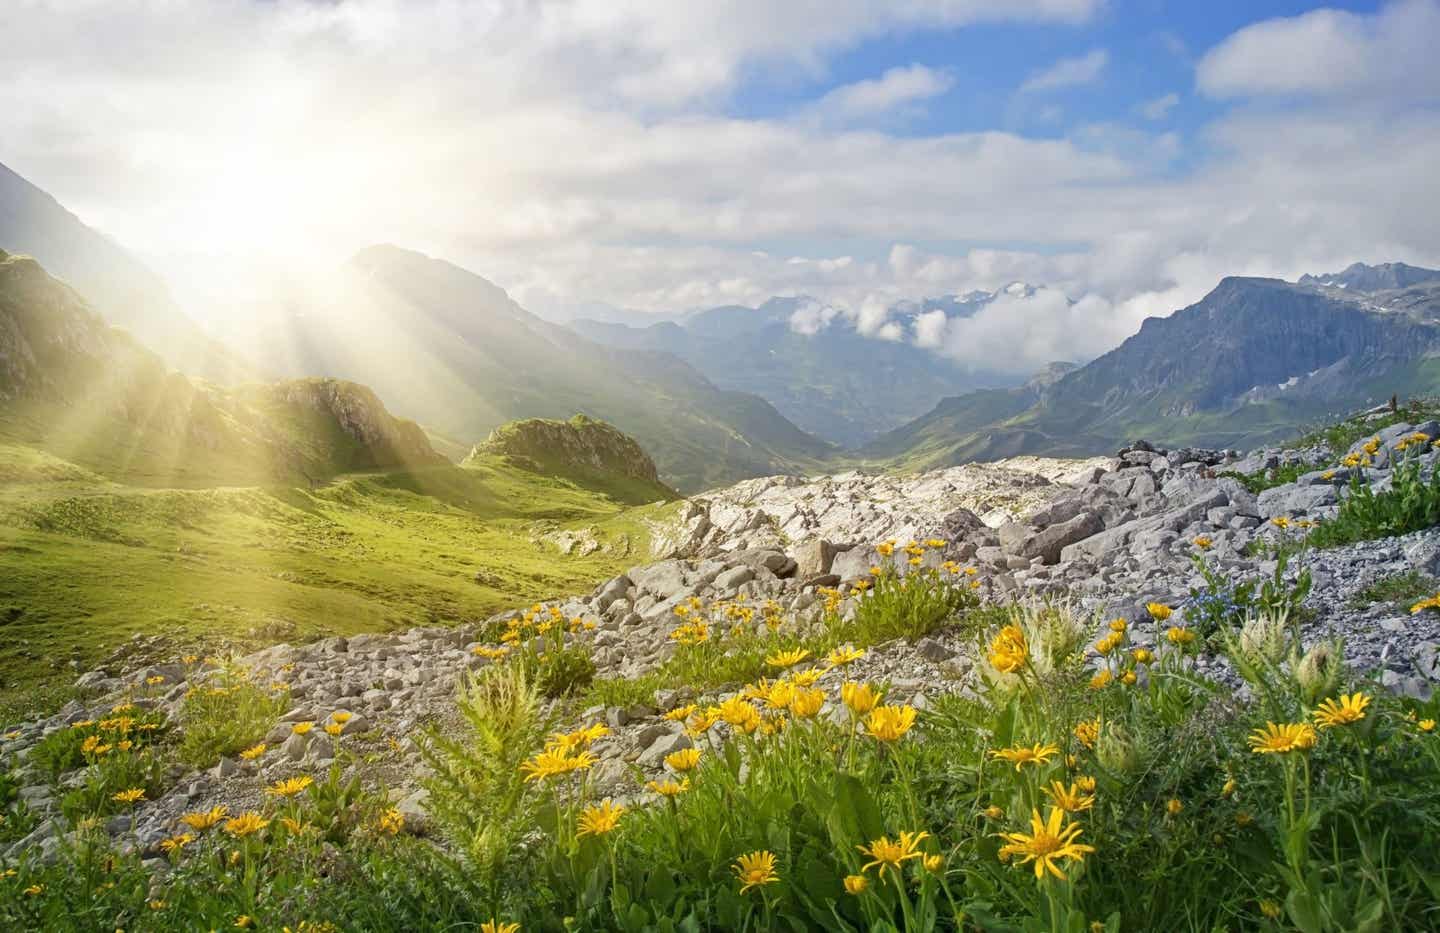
580 444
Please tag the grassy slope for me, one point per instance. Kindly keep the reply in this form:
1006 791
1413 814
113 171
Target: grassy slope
85 563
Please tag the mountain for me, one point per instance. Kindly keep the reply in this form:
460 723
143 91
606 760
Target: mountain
120 286
834 382
592 453
1239 368
451 349
76 387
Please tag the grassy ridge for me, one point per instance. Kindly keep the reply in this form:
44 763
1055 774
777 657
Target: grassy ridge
85 563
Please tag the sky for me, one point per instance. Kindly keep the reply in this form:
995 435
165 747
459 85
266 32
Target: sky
661 156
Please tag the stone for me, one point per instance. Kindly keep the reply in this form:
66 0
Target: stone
813 557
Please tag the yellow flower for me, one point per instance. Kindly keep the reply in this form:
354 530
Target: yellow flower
1432 602
495 926
1243 819
934 543
1142 655
885 853
876 571
205 819
1229 789
1173 806
806 703
993 812
740 714
1088 732
886 549
701 723
856 884
580 738
1328 475
1118 626
889 723
245 824
1282 739
1128 678
1009 650
1019 755
35 890
842 657
1179 636
668 787
1349 709
244 922
551 762
1426 725
599 820
934 863
133 795
1271 909
334 729
913 562
1085 783
1159 611
341 717
1108 644
807 678
155 681
859 698
1048 842
784 659
681 713
1203 543
290 787
302 728
1069 799
684 760
176 843
756 870
779 694
253 752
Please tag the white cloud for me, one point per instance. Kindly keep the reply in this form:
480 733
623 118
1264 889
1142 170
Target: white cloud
1068 72
1160 107
811 318
930 329
896 88
1331 52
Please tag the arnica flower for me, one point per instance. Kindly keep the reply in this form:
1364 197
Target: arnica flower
1088 732
701 723
253 752
131 796
889 723
1070 799
302 728
993 812
245 824
885 549
176 843
290 787
1085 783
856 884
681 713
684 760
495 926
1009 650
756 870
740 714
244 922
205 819
1432 602
859 698
1228 790
1119 626
1350 708
552 762
1101 679
1049 841
808 678
885 853
1282 739
933 863
1179 636
843 657
1204 543
1159 611
779 694
580 738
1426 725
805 704
1173 806
1271 909
392 821
334 729
1020 755
784 659
599 820
341 717
1142 656
668 787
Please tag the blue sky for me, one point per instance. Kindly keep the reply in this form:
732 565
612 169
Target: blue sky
658 156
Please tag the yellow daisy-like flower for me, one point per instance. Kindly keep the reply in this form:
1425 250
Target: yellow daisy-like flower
668 787
391 821
1203 543
1070 799
886 549
1101 679
1009 651
1085 783
580 738
701 723
341 717
246 824
1119 626
176 843
740 714
1049 842
1087 732
253 752
993 812
1426 725
1021 755
290 787
599 820
806 704
1142 656
681 713
302 728
1229 788
1281 739
131 796
934 543
334 729
1173 806
686 759
842 657
859 698
885 853
244 922
1350 708
1159 611
755 870
933 863
784 659
807 678
779 694
1179 636
856 884
495 926
889 723
552 762
205 819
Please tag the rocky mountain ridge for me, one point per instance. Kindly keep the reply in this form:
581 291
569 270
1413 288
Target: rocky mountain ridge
580 445
1108 535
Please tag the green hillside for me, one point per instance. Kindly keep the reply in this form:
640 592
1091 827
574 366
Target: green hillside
85 563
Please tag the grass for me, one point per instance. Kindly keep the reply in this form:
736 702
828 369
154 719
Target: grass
1399 589
85 564
1261 480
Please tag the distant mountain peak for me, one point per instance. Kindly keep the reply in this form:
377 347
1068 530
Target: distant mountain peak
1366 278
